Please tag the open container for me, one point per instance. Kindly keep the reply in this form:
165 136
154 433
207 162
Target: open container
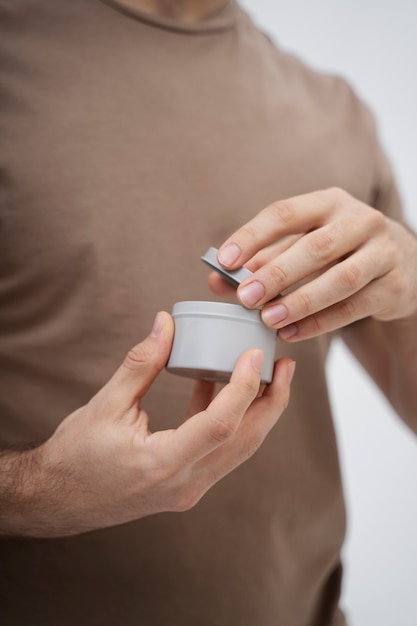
210 336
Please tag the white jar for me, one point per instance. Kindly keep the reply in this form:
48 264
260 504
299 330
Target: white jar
211 336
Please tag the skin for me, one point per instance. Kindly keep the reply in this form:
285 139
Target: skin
104 466
188 11
325 261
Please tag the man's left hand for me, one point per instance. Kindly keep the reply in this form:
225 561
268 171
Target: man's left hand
322 261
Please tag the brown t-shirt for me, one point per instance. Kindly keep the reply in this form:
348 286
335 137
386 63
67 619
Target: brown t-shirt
128 146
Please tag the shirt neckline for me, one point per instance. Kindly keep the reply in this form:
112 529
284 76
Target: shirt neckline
223 19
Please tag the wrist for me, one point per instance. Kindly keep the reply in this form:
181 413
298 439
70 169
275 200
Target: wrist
20 470
401 333
31 496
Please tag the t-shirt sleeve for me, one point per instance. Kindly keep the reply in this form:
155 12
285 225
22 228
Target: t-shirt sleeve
385 194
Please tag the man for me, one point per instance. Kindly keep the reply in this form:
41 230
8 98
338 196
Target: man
135 134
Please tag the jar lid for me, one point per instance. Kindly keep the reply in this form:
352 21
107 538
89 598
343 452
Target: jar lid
234 277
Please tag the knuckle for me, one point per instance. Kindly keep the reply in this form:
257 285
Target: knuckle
221 430
347 310
137 357
350 276
243 389
315 324
338 194
322 243
306 303
396 284
248 388
186 500
249 232
376 219
278 274
252 445
282 211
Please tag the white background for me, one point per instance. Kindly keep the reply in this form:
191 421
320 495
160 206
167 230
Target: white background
373 43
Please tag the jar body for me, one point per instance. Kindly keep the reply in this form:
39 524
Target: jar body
211 336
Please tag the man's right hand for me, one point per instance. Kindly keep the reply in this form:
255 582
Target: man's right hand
103 466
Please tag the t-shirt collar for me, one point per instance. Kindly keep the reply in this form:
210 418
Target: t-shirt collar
223 19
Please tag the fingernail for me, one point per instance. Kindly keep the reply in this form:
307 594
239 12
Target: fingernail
157 325
257 360
288 331
252 293
229 254
290 371
274 314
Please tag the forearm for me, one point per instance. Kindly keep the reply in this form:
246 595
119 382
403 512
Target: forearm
32 496
18 469
388 351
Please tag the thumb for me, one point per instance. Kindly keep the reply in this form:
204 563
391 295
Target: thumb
142 364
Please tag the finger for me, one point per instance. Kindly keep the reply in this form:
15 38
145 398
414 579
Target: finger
266 410
286 217
208 430
201 397
258 421
266 255
307 255
362 304
141 366
220 286
337 283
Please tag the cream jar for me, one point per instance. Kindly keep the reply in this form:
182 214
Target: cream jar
210 336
